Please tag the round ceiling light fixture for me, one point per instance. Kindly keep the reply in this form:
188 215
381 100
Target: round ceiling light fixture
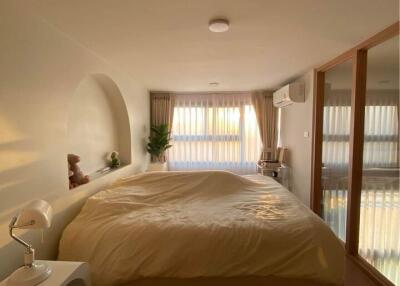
218 25
214 83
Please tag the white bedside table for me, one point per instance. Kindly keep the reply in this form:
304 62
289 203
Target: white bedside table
65 273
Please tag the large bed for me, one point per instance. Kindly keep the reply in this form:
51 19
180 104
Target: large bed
204 228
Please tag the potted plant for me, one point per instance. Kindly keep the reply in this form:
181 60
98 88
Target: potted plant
157 145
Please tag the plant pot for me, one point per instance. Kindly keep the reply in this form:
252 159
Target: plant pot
157 166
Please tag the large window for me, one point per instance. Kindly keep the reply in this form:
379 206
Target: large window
214 131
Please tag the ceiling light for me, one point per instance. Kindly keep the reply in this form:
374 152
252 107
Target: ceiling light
218 25
214 83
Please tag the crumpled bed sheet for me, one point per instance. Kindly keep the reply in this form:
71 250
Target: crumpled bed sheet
200 224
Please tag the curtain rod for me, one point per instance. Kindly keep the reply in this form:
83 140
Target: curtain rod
208 92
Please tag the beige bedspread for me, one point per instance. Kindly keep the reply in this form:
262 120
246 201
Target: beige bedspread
200 224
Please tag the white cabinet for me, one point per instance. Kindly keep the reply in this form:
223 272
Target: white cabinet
65 273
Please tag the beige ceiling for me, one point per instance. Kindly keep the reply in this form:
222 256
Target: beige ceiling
166 44
382 68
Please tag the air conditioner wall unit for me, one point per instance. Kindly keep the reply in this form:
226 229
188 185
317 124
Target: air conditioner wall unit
289 94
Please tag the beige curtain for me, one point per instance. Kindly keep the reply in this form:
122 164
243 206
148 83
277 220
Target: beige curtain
161 110
266 118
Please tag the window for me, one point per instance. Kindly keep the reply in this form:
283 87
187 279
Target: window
217 131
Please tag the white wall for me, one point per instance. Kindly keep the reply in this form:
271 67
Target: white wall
40 69
92 128
295 120
98 123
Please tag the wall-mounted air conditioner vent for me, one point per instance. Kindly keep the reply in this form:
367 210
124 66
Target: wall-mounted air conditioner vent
289 94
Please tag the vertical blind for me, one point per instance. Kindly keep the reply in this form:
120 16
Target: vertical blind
214 131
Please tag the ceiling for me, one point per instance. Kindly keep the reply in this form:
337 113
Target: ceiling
166 45
382 69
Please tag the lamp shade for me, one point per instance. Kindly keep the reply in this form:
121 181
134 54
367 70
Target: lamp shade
35 215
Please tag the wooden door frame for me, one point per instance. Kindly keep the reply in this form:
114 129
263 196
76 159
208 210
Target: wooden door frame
358 56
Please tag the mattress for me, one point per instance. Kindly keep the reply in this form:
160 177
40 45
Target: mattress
200 224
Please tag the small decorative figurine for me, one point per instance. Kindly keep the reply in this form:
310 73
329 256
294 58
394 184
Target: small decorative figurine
115 162
76 176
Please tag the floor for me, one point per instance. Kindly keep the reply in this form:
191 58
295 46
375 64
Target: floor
355 276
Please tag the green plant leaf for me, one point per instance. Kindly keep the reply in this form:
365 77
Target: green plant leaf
158 140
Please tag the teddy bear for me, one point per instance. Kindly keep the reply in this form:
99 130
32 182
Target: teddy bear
76 176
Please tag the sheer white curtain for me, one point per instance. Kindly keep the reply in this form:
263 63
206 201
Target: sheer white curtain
214 131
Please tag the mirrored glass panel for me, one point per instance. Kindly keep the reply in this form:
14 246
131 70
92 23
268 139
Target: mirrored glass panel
379 239
335 146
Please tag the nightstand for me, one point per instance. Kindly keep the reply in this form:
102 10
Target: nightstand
284 176
282 173
65 273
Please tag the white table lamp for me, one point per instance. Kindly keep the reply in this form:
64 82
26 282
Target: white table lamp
36 215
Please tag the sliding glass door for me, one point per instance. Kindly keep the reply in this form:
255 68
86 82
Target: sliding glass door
379 238
355 173
335 146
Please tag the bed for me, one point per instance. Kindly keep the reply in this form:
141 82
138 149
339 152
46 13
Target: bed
172 228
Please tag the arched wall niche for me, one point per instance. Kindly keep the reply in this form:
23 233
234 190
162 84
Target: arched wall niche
98 123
